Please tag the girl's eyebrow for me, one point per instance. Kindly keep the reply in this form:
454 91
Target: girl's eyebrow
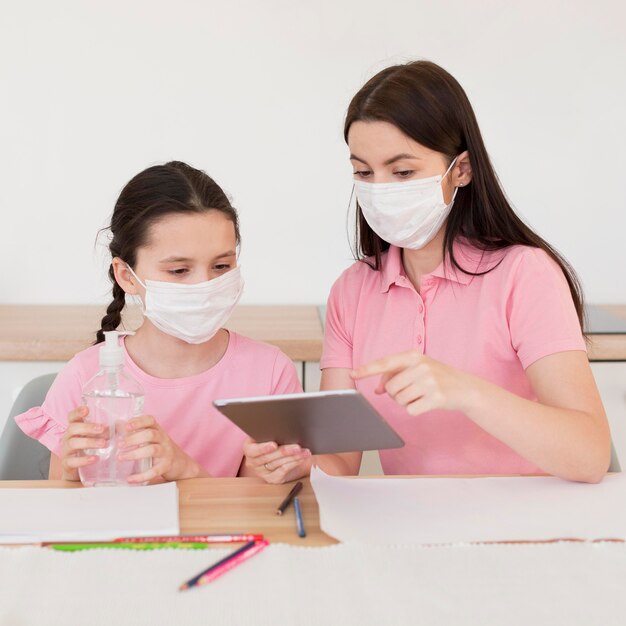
176 259
225 254
182 259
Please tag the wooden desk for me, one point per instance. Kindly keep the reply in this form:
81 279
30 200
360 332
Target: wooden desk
349 584
216 505
57 333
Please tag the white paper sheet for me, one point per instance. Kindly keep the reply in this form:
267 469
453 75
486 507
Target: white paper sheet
97 514
564 584
459 510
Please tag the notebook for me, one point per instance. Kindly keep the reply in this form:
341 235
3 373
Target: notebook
433 510
93 514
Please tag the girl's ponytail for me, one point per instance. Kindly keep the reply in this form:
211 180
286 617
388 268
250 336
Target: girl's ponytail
113 317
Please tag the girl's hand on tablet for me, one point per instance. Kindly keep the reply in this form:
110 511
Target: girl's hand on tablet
273 463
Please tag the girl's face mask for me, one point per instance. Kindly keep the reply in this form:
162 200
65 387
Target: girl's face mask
193 313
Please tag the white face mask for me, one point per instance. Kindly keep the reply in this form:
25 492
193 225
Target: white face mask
407 215
193 313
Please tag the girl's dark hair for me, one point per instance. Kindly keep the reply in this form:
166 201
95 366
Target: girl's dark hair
150 196
426 103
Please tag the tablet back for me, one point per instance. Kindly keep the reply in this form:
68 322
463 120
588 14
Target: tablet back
324 422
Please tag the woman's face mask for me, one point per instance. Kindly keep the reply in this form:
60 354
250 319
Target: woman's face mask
405 214
193 313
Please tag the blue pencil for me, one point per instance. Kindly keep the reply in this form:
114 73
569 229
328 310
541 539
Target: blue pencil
299 520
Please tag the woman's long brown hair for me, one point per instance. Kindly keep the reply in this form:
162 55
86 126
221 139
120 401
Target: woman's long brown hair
428 104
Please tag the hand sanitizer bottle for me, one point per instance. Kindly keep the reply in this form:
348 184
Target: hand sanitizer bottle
112 397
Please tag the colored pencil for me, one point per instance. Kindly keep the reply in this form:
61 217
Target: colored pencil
170 545
288 498
226 564
299 520
217 538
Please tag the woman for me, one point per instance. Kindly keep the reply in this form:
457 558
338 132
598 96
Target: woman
457 322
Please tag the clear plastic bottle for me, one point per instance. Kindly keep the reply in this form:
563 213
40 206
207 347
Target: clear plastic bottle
112 397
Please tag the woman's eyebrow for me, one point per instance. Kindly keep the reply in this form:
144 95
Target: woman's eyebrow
393 159
400 157
353 157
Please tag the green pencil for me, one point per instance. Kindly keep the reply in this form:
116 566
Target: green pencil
77 547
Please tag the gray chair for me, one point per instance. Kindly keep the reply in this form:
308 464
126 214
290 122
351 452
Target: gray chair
23 458
615 464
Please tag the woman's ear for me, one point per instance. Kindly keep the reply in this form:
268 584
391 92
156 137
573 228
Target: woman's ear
124 277
462 170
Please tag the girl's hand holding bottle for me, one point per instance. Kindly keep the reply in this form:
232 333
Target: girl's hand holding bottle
146 439
80 436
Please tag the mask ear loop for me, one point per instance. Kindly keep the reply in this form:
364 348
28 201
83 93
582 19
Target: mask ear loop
446 173
450 167
135 296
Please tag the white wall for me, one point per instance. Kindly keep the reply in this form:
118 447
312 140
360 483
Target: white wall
255 93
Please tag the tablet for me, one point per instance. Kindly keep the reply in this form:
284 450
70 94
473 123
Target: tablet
324 422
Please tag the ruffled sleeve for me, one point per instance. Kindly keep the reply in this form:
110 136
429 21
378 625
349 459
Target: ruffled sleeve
36 423
47 423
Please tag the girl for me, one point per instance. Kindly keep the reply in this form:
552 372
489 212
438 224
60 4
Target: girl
459 323
174 244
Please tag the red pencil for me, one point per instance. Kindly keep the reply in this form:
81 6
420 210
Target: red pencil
242 538
226 564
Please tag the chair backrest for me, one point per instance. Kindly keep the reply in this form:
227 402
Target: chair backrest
23 458
615 464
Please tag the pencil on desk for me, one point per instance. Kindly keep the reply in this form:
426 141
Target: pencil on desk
144 546
226 564
299 520
288 498
216 538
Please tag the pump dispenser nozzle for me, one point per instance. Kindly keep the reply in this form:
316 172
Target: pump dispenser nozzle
111 353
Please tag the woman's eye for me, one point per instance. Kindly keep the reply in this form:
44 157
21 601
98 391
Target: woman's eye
179 271
404 173
362 173
221 267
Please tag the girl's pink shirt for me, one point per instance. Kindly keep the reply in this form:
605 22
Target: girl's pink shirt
494 326
182 406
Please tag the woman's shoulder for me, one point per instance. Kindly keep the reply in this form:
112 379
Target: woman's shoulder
524 260
517 259
360 274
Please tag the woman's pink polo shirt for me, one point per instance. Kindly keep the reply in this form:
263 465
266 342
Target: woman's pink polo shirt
493 326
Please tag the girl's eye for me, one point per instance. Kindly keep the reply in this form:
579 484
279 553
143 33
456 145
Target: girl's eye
404 173
362 173
181 271
222 267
